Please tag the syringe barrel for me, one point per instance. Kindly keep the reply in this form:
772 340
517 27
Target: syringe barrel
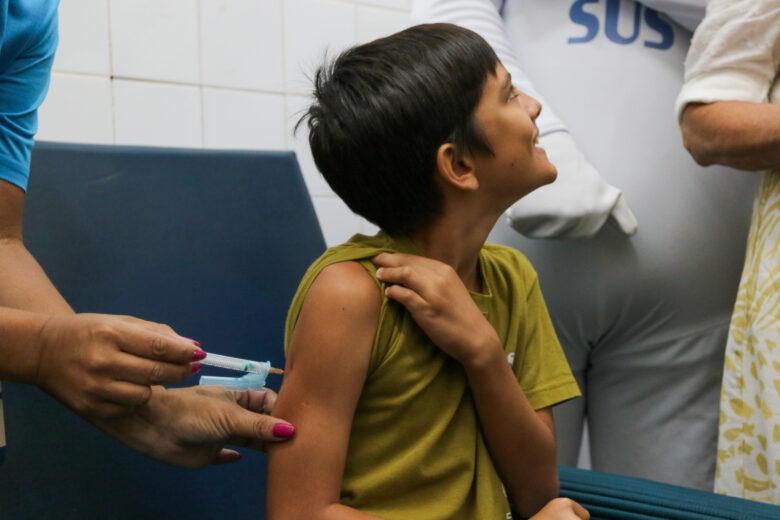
244 365
246 382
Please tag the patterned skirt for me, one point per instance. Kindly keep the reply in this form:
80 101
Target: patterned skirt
749 434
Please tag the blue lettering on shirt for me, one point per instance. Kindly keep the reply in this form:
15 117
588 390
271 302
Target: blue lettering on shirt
663 37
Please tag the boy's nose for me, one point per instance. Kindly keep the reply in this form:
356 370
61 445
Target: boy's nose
534 108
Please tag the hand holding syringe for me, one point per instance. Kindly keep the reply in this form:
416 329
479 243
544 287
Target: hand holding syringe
254 380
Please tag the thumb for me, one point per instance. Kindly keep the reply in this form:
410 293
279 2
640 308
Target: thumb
623 216
256 427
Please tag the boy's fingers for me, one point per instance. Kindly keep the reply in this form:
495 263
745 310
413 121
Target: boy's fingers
405 296
580 511
399 259
414 278
385 259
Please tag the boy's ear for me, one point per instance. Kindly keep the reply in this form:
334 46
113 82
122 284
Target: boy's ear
456 168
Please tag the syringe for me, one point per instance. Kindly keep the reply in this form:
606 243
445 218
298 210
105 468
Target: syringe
244 365
255 380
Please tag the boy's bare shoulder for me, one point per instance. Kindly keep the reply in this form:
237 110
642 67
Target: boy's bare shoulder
349 285
340 312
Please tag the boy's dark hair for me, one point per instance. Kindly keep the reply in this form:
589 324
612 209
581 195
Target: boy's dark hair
382 110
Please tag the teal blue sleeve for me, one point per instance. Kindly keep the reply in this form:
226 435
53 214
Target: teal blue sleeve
27 50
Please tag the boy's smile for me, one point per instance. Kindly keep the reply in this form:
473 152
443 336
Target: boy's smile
507 119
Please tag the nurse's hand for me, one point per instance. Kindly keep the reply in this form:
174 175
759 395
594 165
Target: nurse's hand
104 366
577 204
189 427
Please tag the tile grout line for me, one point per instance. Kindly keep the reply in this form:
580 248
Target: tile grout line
199 9
111 71
288 138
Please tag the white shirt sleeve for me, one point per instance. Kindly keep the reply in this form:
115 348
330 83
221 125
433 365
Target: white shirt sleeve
688 13
482 17
734 54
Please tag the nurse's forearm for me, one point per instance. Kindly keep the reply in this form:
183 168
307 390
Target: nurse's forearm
739 134
20 344
23 287
23 283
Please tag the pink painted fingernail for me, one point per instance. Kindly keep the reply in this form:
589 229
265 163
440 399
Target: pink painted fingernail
196 343
196 367
198 355
283 430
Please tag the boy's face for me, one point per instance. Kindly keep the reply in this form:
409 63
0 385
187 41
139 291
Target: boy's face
507 118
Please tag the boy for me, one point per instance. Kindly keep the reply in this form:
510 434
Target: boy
397 377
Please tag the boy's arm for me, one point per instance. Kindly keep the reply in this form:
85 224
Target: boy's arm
521 441
326 367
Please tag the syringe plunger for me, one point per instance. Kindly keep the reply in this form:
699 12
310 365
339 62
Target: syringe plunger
245 365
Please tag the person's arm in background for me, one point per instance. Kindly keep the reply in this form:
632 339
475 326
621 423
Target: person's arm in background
739 134
725 107
579 202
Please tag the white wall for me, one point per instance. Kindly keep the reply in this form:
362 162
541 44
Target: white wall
205 73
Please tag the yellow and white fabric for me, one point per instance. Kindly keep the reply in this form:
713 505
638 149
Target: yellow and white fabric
735 55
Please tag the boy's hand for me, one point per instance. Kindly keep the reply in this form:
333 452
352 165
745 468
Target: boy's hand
562 509
440 304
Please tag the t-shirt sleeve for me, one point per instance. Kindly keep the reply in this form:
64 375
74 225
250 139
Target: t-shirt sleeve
543 371
734 54
23 86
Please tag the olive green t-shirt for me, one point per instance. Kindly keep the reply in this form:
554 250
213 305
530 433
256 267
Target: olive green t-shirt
416 451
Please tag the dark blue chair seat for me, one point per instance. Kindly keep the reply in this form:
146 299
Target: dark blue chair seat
212 243
614 497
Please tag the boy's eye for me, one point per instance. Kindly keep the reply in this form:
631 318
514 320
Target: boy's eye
512 94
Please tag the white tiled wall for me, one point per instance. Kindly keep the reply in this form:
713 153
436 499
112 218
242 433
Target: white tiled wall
206 73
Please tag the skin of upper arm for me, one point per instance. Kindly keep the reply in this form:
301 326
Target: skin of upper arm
698 124
739 134
326 367
11 204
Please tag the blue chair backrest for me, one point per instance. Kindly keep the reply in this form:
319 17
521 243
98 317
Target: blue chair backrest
213 243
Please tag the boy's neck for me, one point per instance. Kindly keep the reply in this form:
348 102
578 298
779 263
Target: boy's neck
456 243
